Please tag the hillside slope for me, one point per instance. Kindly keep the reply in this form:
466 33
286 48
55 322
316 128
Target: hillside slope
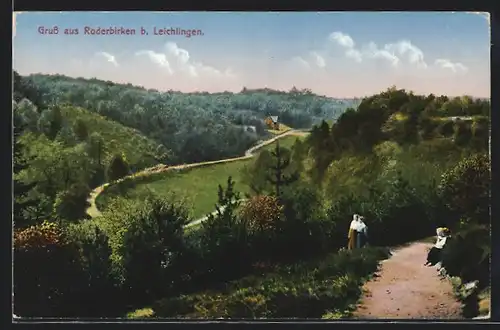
139 150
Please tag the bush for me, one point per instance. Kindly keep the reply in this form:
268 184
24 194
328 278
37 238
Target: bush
302 232
307 290
117 168
71 204
465 188
462 133
467 255
446 129
261 213
101 295
151 249
225 239
480 134
47 272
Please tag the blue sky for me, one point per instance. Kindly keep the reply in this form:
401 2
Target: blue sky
336 54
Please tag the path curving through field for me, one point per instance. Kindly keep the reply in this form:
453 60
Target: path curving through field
404 288
93 211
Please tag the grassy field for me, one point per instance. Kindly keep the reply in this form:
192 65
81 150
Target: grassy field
197 186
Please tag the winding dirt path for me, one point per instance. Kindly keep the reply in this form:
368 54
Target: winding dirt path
406 289
93 211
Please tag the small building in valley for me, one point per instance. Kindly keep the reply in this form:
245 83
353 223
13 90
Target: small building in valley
272 122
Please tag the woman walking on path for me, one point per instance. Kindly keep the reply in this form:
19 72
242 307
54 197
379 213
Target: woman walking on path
353 233
362 236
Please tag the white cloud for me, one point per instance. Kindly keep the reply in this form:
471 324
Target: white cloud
406 49
157 58
301 62
177 57
180 54
342 39
318 59
447 64
373 51
109 57
354 54
394 53
312 59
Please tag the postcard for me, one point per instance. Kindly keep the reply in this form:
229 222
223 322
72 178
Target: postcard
251 165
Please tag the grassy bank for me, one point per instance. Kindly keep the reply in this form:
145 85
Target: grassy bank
326 288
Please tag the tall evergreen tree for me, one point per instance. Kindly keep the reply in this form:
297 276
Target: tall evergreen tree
278 177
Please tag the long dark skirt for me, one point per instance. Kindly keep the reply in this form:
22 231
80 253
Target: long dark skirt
434 256
362 240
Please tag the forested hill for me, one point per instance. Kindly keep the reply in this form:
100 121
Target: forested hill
193 126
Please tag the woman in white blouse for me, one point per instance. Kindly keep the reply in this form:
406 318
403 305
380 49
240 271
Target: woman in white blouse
434 255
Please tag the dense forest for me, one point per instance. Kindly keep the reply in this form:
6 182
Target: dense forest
193 127
408 162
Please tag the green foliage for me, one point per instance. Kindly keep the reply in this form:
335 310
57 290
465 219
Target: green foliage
70 204
152 248
446 128
303 233
261 213
349 175
80 129
99 293
467 255
462 133
27 114
278 178
118 168
465 188
480 133
48 169
296 291
224 237
196 126
46 269
255 174
106 137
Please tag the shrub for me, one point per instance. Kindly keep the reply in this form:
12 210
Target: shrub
462 133
261 213
480 134
302 232
304 290
47 272
101 295
117 168
446 129
465 188
152 247
467 255
225 239
71 204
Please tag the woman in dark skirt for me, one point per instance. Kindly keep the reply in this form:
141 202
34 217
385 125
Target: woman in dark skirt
362 232
434 255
